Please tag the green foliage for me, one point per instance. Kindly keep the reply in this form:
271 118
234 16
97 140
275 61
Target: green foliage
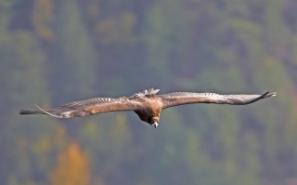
76 49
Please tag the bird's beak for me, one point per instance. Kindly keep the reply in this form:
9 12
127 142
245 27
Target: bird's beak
155 124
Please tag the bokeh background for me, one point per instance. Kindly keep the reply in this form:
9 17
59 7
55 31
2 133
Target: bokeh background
56 51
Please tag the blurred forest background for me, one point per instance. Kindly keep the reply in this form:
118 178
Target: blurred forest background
53 52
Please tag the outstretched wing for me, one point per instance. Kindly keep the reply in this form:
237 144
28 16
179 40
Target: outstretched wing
91 106
180 98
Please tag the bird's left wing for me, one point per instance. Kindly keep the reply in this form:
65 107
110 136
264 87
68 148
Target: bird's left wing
180 98
92 106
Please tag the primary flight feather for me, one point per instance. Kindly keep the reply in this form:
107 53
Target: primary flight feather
146 104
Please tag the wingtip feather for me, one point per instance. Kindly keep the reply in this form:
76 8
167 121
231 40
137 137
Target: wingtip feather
46 112
269 94
25 112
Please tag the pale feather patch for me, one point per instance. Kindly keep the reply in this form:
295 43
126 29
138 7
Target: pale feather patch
67 114
146 92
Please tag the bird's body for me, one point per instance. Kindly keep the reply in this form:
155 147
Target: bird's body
147 104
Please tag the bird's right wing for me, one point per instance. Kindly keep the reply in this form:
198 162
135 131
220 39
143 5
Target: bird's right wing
92 106
180 98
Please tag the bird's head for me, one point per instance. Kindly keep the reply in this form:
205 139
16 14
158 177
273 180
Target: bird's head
155 121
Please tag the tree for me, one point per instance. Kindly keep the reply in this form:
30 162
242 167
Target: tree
72 167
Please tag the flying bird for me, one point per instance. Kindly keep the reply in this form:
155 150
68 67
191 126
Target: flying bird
147 104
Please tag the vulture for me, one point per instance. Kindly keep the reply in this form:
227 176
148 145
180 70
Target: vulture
147 104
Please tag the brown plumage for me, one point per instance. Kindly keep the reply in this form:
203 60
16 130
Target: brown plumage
147 104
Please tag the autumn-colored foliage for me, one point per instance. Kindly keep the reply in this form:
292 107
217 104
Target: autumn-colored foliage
72 167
